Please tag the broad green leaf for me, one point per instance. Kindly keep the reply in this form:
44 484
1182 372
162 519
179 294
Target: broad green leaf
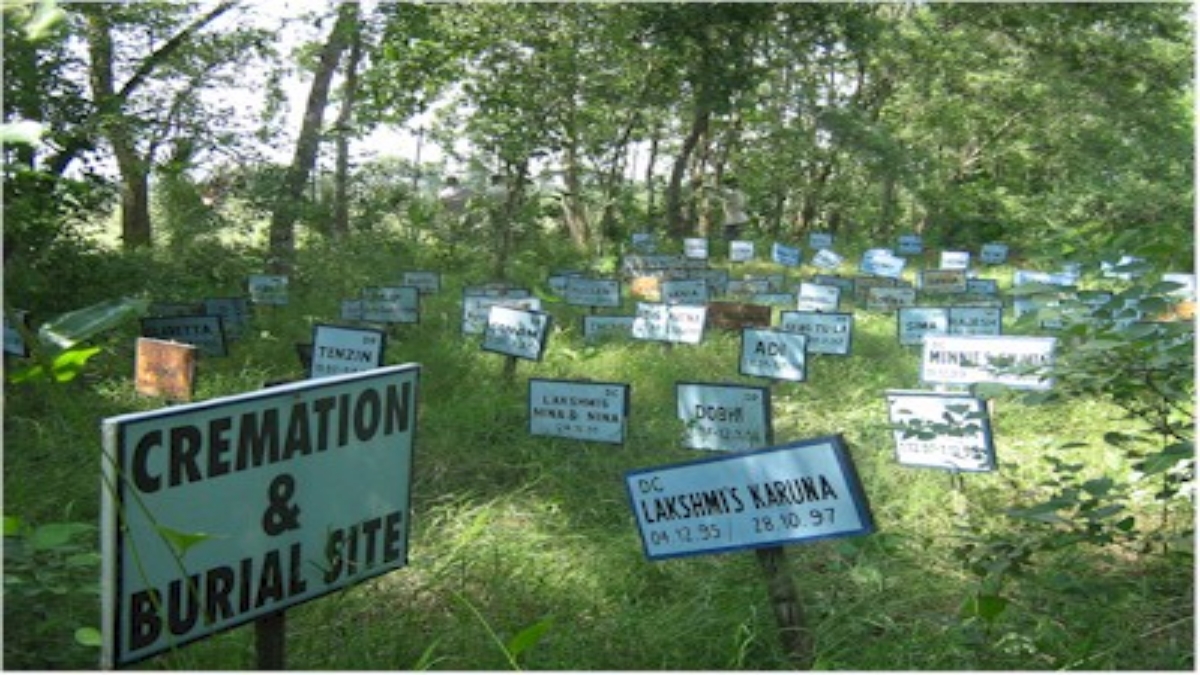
527 638
88 636
56 535
986 607
12 526
182 541
72 328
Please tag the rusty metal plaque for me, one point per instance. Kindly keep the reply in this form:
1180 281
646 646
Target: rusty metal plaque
165 369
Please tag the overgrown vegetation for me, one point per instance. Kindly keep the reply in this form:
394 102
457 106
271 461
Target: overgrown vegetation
524 553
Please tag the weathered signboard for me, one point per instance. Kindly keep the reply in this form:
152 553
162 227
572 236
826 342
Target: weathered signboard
520 333
14 344
235 314
337 350
727 417
165 369
976 320
993 253
936 282
207 333
941 430
585 411
593 292
804 491
391 304
889 299
684 291
828 333
221 512
909 244
820 241
1018 362
738 315
426 282
596 327
268 289
695 248
776 354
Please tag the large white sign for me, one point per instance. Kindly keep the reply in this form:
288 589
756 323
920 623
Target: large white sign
941 430
220 512
586 411
1018 362
802 491
726 417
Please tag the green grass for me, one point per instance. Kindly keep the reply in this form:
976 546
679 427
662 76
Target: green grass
511 530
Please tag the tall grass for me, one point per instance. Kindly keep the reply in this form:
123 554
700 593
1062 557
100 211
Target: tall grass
512 531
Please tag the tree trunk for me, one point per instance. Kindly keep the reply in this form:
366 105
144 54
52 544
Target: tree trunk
574 212
676 224
345 123
283 220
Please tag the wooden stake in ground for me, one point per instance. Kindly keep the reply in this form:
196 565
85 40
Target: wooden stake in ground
270 641
794 633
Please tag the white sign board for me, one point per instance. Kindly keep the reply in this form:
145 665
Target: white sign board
881 262
585 411
741 251
779 355
941 430
1018 362
727 417
828 332
826 259
221 512
14 344
516 332
804 491
812 297
976 320
338 350
695 248
670 323
955 260
476 308
914 323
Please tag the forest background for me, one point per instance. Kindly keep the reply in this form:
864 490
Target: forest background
132 169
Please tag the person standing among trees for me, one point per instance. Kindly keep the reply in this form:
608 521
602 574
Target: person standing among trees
733 202
454 197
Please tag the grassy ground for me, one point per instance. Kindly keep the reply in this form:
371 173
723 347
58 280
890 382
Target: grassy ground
512 532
